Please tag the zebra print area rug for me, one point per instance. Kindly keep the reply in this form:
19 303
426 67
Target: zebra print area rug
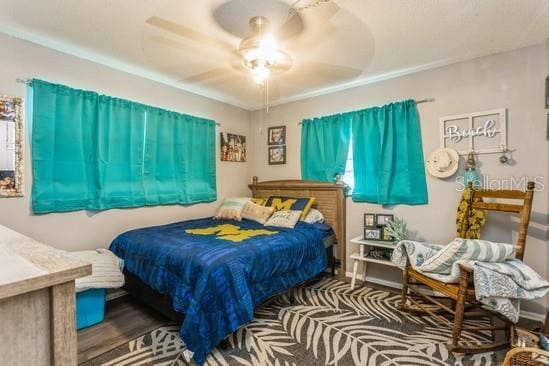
329 324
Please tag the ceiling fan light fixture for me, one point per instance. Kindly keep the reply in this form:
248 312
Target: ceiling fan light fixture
260 72
259 51
264 48
266 56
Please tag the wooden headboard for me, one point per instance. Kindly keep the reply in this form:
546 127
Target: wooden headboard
329 199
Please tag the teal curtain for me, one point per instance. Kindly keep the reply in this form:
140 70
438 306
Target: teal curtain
180 158
95 152
388 155
324 147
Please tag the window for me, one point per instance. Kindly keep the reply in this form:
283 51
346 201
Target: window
348 177
95 152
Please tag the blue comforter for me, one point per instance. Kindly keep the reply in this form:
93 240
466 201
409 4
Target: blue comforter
217 271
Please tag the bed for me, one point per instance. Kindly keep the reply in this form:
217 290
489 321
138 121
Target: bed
216 272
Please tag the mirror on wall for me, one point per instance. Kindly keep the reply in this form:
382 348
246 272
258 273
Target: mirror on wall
11 147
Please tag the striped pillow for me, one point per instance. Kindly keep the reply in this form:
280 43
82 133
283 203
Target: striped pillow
467 249
231 209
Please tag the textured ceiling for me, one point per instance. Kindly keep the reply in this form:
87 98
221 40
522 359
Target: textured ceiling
337 45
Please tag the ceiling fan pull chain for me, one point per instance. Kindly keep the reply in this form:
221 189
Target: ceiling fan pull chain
267 101
260 109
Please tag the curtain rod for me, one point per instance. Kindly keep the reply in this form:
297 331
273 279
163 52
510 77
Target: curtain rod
426 100
29 82
24 81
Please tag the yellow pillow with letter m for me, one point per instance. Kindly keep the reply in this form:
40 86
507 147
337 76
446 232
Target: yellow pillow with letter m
281 203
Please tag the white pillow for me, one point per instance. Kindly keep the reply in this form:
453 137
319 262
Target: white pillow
284 219
257 213
314 216
231 208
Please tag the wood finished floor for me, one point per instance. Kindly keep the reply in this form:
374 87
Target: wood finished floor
125 319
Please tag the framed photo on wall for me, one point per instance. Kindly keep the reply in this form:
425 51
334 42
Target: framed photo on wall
11 147
277 155
276 135
233 147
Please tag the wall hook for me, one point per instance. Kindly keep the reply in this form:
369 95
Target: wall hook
503 159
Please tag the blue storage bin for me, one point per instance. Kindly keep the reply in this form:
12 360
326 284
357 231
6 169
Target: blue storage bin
90 307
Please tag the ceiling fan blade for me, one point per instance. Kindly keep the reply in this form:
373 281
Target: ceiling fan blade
291 28
332 71
316 26
208 75
183 47
239 67
189 33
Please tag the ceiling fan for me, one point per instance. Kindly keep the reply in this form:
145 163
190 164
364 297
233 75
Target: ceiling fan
263 51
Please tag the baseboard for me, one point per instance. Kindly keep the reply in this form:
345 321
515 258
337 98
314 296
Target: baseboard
378 281
532 316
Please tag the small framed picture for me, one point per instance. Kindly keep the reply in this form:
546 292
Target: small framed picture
383 219
277 155
369 219
373 233
276 135
386 236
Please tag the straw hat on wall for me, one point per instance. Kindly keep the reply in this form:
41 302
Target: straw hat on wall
443 162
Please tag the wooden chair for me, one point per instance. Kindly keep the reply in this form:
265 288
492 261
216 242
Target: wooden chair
462 294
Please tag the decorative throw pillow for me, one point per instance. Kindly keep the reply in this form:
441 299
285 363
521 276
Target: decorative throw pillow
255 212
259 201
281 203
286 218
314 216
231 208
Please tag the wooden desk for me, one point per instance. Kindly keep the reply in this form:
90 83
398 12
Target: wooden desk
37 302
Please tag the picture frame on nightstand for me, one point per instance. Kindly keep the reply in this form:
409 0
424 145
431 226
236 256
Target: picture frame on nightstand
383 219
387 236
373 233
369 220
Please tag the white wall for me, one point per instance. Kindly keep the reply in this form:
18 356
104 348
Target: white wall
514 80
84 229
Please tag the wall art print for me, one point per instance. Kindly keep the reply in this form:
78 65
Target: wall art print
11 147
233 147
